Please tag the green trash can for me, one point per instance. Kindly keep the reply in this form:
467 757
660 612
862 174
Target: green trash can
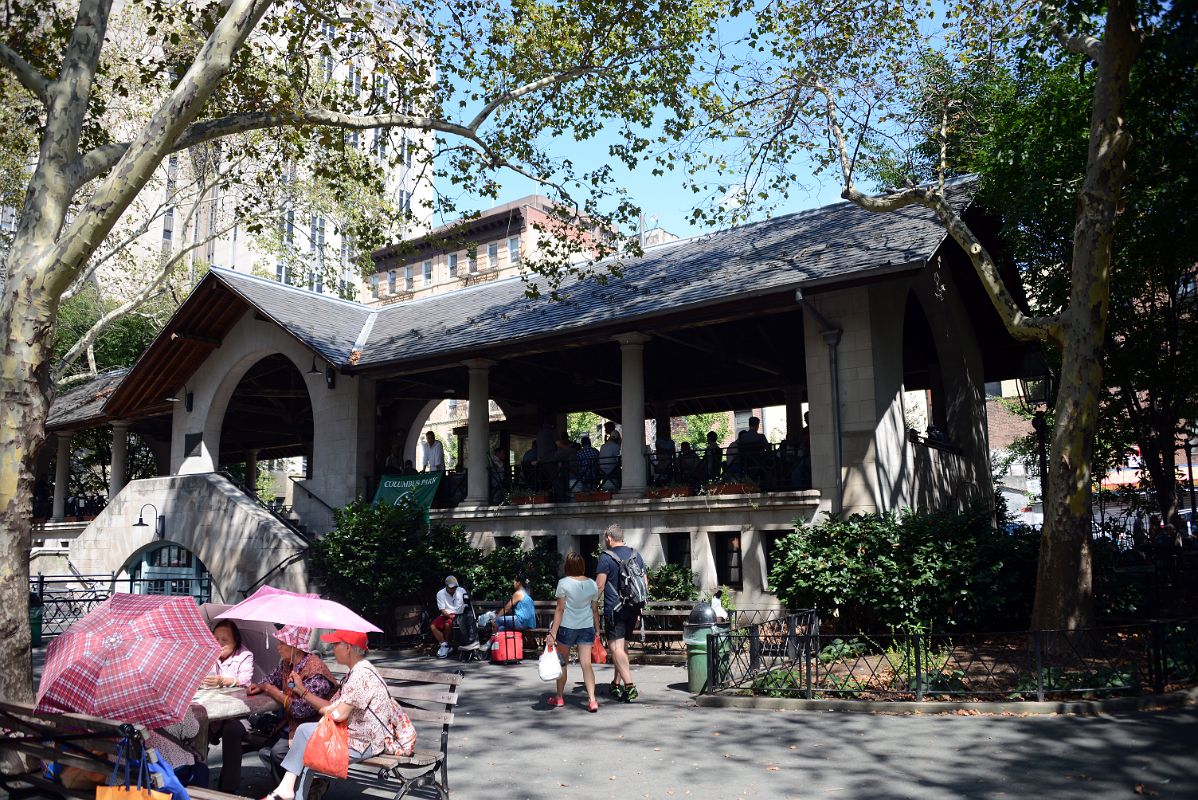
36 611
695 638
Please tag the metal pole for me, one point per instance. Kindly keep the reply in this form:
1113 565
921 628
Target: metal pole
1040 425
918 670
1039 667
1190 470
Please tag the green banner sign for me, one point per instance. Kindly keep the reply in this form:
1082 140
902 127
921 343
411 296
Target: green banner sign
420 489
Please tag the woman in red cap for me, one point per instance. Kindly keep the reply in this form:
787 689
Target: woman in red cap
363 701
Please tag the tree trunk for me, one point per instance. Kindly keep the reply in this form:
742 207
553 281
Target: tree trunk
26 319
1064 596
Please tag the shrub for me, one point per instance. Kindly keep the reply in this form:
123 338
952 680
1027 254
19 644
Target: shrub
672 582
377 558
908 571
491 577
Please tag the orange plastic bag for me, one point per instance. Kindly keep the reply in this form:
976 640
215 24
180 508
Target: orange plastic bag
130 793
328 748
598 652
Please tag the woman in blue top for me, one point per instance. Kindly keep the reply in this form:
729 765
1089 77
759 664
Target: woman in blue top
574 623
517 614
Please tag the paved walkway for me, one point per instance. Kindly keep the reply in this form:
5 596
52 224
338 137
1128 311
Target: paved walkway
507 743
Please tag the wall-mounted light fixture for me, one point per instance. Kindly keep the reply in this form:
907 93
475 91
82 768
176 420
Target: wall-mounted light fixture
186 397
330 376
159 521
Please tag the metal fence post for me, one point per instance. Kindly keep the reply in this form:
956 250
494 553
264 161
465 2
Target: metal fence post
41 586
754 647
810 648
1039 666
711 662
918 669
792 646
1156 655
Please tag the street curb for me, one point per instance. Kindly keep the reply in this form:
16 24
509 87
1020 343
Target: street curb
1115 705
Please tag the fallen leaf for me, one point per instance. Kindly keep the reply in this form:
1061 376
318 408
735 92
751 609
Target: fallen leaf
772 768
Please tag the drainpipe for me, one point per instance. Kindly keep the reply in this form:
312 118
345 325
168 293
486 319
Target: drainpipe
831 336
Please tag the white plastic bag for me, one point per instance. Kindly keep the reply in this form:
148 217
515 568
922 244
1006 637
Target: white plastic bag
549 668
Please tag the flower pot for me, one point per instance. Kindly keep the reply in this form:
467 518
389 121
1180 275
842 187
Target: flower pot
663 492
731 488
591 497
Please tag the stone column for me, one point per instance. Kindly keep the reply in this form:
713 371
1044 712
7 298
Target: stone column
632 411
118 472
62 476
794 411
478 459
251 472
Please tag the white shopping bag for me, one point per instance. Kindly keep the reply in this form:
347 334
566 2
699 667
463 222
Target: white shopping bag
549 668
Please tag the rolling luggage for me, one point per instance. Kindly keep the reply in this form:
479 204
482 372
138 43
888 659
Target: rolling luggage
507 647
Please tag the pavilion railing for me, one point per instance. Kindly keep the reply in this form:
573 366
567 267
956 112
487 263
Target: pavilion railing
1145 658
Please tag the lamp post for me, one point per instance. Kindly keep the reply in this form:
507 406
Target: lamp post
1190 443
1040 426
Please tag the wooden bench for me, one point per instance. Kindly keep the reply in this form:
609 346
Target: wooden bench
429 698
72 740
662 622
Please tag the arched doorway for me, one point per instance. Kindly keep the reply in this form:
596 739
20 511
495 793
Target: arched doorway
924 401
166 568
268 418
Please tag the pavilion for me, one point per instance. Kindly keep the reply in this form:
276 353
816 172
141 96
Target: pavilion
834 310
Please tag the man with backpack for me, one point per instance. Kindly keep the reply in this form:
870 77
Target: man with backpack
621 577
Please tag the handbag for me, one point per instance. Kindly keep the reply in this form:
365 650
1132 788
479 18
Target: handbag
327 751
128 790
548 666
401 733
598 651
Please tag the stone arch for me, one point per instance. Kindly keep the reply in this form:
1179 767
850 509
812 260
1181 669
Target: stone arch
268 412
420 419
922 361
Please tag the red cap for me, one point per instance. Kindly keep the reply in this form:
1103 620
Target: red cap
356 638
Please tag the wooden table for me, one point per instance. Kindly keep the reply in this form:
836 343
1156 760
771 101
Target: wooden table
217 705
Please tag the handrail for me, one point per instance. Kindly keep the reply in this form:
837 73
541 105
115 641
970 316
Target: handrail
309 492
265 506
287 562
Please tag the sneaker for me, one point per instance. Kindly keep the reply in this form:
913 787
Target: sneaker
617 691
629 694
592 706
443 651
556 702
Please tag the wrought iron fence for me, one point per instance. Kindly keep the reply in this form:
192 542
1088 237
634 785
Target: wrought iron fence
65 599
1151 657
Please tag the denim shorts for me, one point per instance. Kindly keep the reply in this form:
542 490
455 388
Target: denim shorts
568 637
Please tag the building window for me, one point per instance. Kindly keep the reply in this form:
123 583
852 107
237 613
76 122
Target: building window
409 282
726 547
391 282
453 265
513 250
427 269
677 548
170 556
374 286
473 266
769 543
493 255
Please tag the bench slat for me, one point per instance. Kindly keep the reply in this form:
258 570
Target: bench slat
430 694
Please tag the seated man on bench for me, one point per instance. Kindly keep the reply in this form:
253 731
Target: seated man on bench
449 603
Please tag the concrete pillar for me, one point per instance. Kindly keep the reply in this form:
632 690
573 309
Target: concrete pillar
794 411
478 489
632 410
118 472
62 476
251 472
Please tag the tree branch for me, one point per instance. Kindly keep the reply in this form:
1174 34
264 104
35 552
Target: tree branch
1087 46
1018 324
30 78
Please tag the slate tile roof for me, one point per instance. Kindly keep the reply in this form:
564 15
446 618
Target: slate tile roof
823 245
83 403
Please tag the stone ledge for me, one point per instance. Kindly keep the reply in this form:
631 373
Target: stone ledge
1179 699
777 500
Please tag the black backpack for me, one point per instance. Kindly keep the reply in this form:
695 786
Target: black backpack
632 587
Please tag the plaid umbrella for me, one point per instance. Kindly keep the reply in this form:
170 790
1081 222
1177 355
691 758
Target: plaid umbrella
135 658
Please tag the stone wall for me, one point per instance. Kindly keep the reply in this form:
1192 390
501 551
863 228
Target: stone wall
229 533
644 522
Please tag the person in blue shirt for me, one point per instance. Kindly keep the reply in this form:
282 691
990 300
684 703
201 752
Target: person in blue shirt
519 613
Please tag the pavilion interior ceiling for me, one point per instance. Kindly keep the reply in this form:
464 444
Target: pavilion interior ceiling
698 366
270 412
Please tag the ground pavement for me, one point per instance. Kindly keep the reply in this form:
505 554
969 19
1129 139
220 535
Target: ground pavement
508 743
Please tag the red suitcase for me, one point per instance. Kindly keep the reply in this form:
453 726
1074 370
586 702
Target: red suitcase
507 647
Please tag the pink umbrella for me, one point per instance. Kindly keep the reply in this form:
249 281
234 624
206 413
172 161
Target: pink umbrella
291 608
136 658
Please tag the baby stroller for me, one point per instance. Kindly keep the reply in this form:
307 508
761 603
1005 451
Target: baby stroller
465 633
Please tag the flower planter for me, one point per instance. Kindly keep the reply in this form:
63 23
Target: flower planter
529 499
663 492
731 488
591 497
